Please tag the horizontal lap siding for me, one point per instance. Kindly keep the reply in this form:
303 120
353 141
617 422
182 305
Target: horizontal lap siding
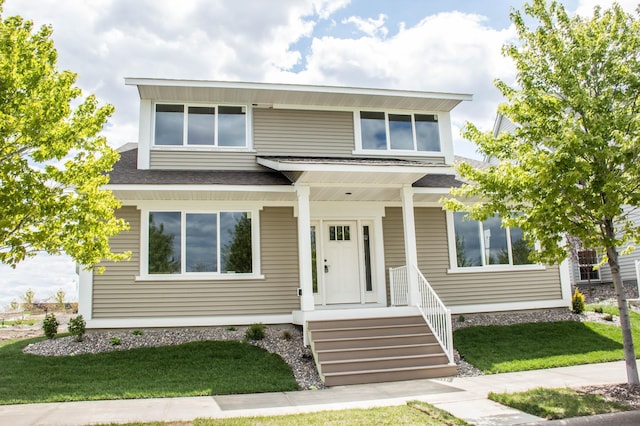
465 288
203 160
117 295
303 133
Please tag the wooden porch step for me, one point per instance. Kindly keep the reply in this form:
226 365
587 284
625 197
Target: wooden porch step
378 351
380 363
388 375
369 350
372 341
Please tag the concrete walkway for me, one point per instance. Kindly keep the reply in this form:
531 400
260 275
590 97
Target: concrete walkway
464 397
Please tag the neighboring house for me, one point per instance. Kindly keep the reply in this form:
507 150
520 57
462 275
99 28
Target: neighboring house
583 260
278 203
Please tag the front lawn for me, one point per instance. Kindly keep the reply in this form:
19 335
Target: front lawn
557 403
197 368
500 349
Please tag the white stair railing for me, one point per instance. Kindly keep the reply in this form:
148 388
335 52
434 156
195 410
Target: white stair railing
399 282
435 313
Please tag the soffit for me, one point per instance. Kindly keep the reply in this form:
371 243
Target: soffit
286 95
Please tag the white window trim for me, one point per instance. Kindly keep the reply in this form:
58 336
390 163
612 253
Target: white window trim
357 128
198 276
583 265
248 143
453 260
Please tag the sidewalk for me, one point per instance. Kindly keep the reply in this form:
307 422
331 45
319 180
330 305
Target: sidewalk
464 397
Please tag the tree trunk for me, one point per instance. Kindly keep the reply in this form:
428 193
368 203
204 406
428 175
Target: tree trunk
625 323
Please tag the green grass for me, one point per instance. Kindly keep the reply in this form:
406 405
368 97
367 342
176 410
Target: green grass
499 349
414 413
557 403
19 322
197 368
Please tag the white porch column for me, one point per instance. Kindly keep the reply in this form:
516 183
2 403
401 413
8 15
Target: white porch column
304 248
85 292
410 248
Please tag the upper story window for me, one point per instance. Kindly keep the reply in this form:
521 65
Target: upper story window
488 243
197 125
401 132
587 259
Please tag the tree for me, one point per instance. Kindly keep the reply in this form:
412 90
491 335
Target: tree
236 255
52 158
60 296
27 300
572 165
162 256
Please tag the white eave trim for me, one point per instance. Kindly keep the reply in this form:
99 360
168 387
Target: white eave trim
228 188
287 166
133 81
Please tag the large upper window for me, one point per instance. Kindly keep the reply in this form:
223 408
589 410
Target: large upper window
195 125
182 242
404 132
488 243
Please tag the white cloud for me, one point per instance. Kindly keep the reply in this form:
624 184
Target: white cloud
585 7
369 26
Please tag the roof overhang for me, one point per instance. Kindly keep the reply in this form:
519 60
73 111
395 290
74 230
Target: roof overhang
352 172
287 95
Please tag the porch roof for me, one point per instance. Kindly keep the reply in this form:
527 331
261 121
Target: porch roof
353 171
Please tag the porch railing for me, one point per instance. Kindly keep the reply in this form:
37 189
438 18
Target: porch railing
435 313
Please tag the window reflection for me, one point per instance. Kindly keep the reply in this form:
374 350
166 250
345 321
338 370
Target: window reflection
374 133
169 124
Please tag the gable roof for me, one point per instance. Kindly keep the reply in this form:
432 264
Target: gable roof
271 95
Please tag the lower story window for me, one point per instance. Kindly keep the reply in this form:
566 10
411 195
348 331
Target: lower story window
212 242
587 259
488 243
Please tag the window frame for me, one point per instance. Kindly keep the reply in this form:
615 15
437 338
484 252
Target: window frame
585 265
185 128
196 276
453 260
360 149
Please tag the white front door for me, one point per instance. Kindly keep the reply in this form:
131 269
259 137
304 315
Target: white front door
341 265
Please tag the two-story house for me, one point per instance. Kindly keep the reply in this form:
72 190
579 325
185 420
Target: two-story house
279 203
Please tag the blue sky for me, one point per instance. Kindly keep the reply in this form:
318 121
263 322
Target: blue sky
444 46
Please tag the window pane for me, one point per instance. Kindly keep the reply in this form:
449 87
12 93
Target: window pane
235 242
169 124
201 125
314 260
347 233
164 242
519 248
495 242
400 131
468 250
427 134
231 126
201 242
340 237
374 133
367 258
332 233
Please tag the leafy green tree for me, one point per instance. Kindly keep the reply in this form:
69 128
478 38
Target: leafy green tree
60 296
572 165
27 300
52 159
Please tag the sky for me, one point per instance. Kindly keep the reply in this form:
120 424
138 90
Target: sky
451 46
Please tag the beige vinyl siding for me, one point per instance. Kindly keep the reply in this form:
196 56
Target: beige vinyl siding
116 294
462 288
303 133
181 159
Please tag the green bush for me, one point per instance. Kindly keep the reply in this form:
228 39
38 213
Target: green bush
577 302
77 327
597 309
608 317
115 341
286 335
137 332
255 332
50 326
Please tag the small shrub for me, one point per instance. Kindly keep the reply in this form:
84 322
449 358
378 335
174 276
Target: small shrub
461 318
286 335
115 341
50 326
77 328
577 302
255 332
137 332
598 309
231 328
608 317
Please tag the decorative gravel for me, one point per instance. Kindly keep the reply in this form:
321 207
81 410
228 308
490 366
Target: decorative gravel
286 340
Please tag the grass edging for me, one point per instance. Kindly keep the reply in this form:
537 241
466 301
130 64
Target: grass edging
557 403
